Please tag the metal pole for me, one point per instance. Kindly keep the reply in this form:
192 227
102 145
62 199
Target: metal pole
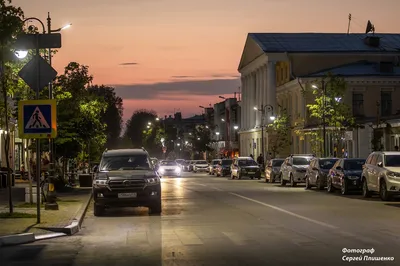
50 93
38 161
323 118
262 132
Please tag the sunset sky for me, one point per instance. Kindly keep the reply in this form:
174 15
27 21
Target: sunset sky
167 55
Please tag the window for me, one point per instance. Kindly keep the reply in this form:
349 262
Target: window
125 162
386 103
358 104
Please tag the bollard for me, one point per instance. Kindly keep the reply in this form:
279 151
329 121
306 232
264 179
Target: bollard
51 203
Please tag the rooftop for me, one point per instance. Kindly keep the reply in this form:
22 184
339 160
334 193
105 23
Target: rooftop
358 69
324 42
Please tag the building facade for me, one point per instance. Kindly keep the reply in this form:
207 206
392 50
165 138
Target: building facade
275 68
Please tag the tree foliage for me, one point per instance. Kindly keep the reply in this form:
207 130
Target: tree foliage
200 139
280 132
138 125
80 127
112 115
328 94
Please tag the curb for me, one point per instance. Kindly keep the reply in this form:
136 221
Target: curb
17 239
69 230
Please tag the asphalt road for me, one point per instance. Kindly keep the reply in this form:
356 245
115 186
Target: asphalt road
215 221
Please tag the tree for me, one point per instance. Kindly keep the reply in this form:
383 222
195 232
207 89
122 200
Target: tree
200 139
338 116
80 128
138 123
112 116
10 26
279 133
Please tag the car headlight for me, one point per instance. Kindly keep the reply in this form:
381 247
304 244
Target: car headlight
177 170
161 170
153 180
393 175
101 181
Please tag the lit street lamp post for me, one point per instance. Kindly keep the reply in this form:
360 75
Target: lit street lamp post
263 110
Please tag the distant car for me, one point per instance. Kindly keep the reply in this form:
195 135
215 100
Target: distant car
317 172
180 162
213 165
200 166
224 167
169 168
191 164
245 167
272 170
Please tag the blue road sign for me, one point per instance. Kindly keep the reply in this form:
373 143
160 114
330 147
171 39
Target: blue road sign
37 119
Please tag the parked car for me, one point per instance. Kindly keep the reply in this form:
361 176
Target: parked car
317 172
381 174
191 164
272 170
180 162
200 166
224 167
346 175
126 178
294 168
185 166
213 165
245 167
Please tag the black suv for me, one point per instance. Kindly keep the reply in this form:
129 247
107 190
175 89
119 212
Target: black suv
126 178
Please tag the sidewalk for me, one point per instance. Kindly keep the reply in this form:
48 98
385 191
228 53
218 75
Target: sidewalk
71 204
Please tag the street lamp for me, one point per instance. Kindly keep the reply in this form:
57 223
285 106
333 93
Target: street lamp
21 54
149 123
323 113
223 120
235 127
198 138
263 110
157 119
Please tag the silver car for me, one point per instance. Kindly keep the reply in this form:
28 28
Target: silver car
200 166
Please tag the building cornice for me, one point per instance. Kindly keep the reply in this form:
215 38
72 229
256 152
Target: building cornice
362 80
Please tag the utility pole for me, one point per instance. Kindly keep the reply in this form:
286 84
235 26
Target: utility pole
348 26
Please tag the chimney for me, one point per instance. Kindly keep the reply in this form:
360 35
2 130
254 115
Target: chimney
372 41
386 67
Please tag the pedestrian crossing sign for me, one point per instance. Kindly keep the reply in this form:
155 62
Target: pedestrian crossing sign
37 119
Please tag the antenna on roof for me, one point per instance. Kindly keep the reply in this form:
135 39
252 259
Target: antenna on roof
370 28
348 26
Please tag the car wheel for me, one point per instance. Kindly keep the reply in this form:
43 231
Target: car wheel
156 208
308 186
365 191
344 188
329 186
383 193
271 179
283 182
98 210
292 183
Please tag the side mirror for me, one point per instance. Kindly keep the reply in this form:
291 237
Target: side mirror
380 164
95 169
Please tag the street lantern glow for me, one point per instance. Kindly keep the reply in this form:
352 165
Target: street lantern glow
21 54
190 134
338 99
217 133
314 86
186 142
223 120
255 108
178 144
66 26
148 126
157 119
198 138
272 117
162 139
149 123
236 127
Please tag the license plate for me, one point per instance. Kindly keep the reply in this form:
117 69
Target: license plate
252 173
127 195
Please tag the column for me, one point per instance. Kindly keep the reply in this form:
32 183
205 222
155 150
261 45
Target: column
271 92
248 98
264 86
258 85
260 91
253 100
243 85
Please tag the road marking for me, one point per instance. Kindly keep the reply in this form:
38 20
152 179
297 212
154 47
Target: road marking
216 188
200 184
287 212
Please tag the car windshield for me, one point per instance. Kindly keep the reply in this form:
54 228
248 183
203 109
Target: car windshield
201 162
168 163
216 162
327 163
125 162
353 165
392 160
247 163
226 162
301 160
180 161
277 163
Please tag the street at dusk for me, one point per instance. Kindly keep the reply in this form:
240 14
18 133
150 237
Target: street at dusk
216 221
